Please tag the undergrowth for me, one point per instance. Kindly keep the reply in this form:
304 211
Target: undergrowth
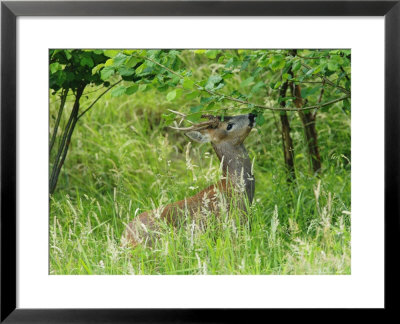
124 160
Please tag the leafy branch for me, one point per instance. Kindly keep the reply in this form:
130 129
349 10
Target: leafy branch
214 93
328 81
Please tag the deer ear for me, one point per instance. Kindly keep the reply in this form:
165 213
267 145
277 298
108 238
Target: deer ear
198 137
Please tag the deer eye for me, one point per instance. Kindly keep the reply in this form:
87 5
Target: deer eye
229 126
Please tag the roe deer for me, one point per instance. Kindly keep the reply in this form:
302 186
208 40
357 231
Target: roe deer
226 136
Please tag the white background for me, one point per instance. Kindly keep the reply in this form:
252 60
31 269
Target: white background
363 288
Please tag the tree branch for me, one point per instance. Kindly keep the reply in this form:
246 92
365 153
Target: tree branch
312 58
97 99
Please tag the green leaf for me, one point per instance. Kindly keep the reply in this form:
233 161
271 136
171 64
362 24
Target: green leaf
171 95
296 66
68 54
212 54
97 68
317 70
132 61
111 53
128 52
277 85
245 64
219 86
179 93
54 67
278 62
229 63
194 117
140 68
124 71
212 80
119 59
210 106
309 72
169 118
117 92
109 62
260 120
195 109
132 89
188 84
337 59
174 81
192 95
221 59
87 61
215 78
107 72
332 66
205 100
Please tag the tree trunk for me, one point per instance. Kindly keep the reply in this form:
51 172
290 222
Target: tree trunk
65 141
64 95
288 151
308 119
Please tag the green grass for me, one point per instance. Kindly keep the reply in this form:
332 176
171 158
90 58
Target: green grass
123 160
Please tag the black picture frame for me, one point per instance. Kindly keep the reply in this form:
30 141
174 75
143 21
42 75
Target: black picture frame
11 10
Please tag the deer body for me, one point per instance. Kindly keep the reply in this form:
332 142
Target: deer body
227 139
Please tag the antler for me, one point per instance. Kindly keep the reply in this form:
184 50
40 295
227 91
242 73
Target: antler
212 121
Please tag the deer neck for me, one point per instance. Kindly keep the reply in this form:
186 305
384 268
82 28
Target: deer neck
236 166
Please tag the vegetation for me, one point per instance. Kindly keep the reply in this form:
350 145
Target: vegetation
112 156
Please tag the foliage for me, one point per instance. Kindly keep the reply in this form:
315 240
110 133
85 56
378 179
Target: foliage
261 72
72 69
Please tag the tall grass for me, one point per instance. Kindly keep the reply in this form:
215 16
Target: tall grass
123 160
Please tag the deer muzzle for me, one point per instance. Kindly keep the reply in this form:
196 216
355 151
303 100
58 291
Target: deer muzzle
252 118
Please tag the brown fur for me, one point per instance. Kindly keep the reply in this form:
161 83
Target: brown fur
207 199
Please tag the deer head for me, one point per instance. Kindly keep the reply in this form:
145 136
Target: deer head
226 135
229 129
